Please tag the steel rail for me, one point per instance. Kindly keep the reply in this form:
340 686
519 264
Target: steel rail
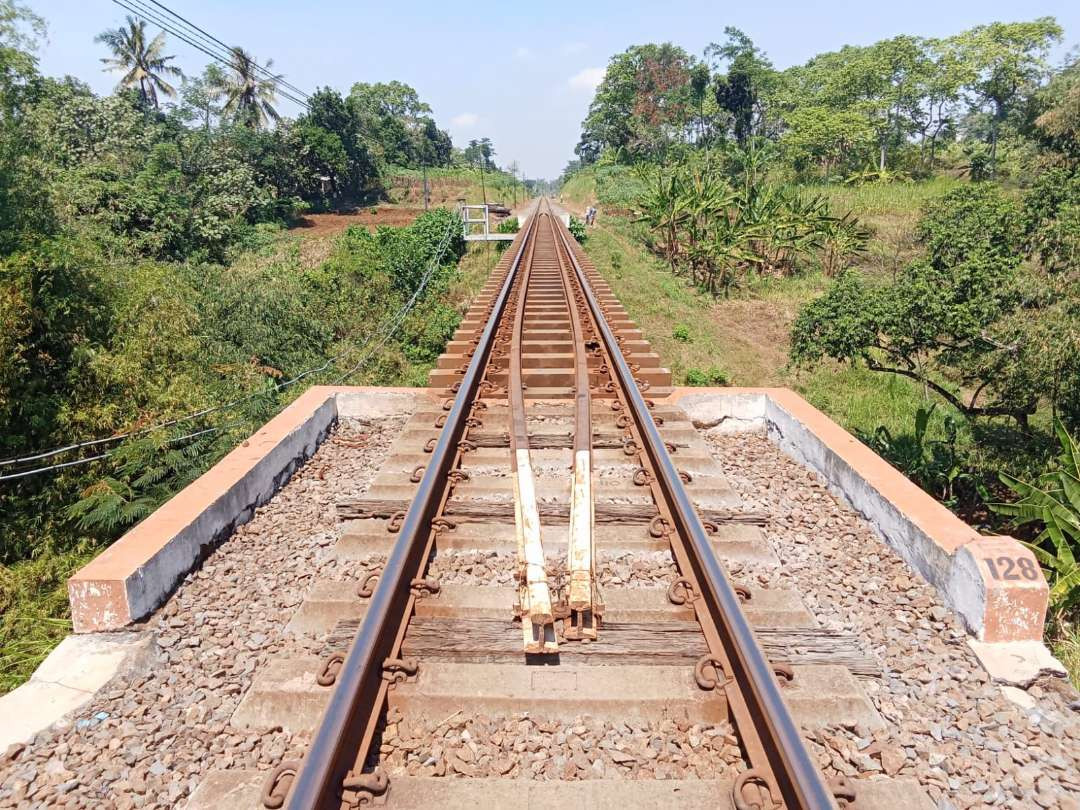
582 597
799 781
357 699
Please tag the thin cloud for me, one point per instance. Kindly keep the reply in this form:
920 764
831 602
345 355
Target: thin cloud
587 79
524 54
571 48
466 119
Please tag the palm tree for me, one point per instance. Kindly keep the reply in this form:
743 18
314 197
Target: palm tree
248 96
141 62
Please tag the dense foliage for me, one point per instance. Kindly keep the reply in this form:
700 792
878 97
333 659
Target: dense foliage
1053 503
906 104
967 320
146 289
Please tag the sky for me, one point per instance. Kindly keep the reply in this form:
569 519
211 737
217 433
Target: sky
522 74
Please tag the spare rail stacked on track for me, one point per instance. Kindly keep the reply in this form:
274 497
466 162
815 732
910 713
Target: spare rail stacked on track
336 771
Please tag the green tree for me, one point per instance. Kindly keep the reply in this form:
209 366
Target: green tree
198 98
1003 63
142 62
1057 108
952 320
743 90
249 97
826 137
642 105
392 117
331 113
479 153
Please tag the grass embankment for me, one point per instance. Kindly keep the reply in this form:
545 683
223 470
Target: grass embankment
34 613
447 186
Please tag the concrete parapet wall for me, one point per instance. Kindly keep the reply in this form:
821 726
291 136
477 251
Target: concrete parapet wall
993 583
136 573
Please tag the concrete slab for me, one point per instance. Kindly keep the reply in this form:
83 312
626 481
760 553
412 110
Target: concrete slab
1017 663
883 793
734 543
330 602
822 694
68 679
237 790
240 790
613 693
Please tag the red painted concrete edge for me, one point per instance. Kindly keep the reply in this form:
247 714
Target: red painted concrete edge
108 592
967 568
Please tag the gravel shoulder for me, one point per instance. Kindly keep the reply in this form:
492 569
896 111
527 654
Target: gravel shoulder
147 739
966 743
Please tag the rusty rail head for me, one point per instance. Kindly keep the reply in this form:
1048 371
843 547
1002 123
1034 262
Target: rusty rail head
334 747
798 778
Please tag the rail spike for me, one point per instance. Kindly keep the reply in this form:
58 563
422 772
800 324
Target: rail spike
701 673
367 587
365 789
276 787
399 670
756 790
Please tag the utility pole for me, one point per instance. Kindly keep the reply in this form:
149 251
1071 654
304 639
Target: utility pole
426 195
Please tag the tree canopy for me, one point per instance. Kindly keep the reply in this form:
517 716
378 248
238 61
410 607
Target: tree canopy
886 107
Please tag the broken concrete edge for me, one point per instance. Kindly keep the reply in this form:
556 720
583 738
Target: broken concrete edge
68 678
135 574
993 583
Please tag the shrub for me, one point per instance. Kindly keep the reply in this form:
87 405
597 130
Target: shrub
714 376
960 320
681 333
934 465
510 225
1051 220
577 229
969 221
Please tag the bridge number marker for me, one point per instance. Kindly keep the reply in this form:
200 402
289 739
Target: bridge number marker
1004 568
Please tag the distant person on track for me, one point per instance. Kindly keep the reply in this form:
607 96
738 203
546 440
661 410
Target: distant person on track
590 216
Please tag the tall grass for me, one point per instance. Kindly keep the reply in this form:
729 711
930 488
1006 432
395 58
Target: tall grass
876 199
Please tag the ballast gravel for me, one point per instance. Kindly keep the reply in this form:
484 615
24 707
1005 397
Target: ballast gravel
520 747
641 569
149 740
967 744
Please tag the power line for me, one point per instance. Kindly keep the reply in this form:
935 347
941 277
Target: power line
394 323
153 17
229 48
209 48
186 30
107 453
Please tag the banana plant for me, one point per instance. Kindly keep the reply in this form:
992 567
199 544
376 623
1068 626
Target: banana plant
664 208
1053 501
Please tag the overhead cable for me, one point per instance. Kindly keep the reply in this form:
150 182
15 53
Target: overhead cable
231 49
149 15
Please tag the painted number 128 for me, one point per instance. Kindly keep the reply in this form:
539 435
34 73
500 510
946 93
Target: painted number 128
1005 568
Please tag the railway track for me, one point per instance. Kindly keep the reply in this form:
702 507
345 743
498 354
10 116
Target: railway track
553 458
